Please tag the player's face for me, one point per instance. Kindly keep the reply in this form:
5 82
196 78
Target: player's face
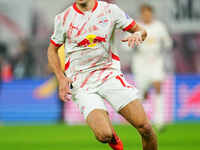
146 16
81 2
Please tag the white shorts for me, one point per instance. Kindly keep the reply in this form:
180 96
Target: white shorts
145 74
144 81
115 90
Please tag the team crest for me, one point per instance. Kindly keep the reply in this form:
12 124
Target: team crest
103 21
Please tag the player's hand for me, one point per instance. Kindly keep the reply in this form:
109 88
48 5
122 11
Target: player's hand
134 39
64 89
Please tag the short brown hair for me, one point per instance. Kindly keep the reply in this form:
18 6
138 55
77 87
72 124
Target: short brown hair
146 6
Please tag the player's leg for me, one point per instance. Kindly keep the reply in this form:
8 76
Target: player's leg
140 73
134 114
95 113
157 77
143 83
159 105
99 122
123 98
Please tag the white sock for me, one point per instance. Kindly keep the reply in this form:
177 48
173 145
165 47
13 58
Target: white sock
159 111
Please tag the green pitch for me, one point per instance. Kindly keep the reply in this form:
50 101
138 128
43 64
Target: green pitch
62 137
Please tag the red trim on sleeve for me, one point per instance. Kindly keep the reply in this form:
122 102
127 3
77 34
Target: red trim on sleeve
115 57
55 44
130 26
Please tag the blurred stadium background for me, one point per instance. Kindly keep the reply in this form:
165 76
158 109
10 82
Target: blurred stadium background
32 117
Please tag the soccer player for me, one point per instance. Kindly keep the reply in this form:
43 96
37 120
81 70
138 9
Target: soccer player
92 68
148 60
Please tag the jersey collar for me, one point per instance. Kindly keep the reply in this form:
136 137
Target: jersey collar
80 12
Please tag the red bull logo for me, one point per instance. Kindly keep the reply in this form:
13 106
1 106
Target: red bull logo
190 100
91 41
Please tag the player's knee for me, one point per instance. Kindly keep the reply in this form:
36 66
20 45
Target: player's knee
104 136
145 130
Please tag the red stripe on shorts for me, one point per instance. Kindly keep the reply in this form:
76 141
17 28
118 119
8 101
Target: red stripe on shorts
121 80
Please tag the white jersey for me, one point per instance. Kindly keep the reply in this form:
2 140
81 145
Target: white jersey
150 51
88 38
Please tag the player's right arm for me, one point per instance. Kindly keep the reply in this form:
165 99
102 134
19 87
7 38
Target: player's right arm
57 39
64 82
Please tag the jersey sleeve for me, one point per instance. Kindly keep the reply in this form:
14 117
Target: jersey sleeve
122 20
57 38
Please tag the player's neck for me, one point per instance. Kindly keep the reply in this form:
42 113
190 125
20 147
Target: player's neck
148 22
88 6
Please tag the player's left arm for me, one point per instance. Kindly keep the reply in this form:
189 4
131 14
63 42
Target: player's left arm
138 35
126 23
